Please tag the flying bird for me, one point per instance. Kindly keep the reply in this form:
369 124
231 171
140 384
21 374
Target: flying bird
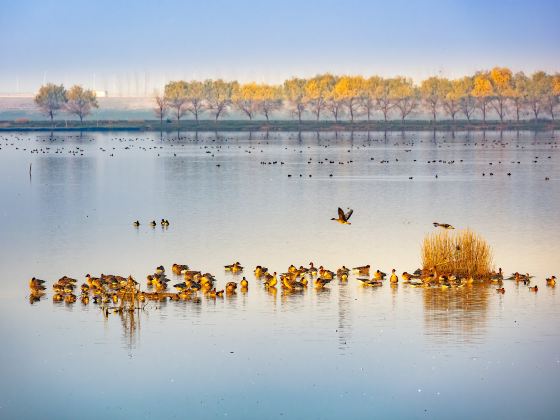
443 225
343 218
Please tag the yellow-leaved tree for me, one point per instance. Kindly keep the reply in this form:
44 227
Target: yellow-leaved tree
404 96
519 93
316 92
501 79
482 92
348 90
246 97
294 92
368 95
433 91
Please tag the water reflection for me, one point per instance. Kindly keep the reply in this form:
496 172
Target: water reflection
457 314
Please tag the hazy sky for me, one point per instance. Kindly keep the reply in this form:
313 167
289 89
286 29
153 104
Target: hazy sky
137 45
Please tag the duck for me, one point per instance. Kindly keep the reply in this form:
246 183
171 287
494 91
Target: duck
271 280
231 287
343 218
406 277
321 282
160 270
362 270
394 278
153 223
190 274
164 222
501 290
244 283
494 277
36 284
378 275
342 273
551 281
235 267
260 271
136 223
446 226
70 298
179 268
367 282
312 269
326 274
535 288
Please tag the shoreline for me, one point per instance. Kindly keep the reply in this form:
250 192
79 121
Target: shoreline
279 125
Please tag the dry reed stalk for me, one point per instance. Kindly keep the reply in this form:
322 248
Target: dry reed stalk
462 253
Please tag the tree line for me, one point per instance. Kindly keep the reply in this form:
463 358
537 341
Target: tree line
508 94
78 101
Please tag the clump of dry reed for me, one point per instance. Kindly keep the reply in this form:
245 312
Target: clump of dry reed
461 253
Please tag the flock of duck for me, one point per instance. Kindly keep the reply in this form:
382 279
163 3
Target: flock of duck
359 143
123 292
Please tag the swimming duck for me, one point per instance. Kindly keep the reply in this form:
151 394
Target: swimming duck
362 270
136 223
312 269
244 283
260 271
343 218
551 281
394 278
406 277
326 274
37 285
190 274
534 289
321 282
235 267
501 290
343 272
367 282
271 280
231 287
443 225
70 298
179 268
160 270
378 275
153 223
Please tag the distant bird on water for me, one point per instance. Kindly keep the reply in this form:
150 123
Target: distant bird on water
136 223
343 218
443 225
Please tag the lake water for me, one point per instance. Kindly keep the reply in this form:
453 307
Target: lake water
345 351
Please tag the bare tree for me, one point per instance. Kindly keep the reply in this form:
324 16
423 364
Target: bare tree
161 107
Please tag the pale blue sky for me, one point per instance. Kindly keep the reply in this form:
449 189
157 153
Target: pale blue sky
125 42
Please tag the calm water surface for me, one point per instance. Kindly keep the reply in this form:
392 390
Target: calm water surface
345 351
